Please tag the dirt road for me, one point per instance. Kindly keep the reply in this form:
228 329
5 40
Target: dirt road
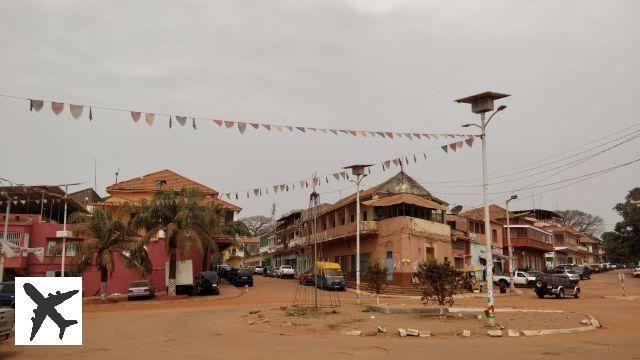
214 329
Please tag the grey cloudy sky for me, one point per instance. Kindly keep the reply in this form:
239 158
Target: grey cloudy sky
571 67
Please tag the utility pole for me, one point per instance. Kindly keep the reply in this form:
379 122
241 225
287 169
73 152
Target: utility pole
4 237
512 285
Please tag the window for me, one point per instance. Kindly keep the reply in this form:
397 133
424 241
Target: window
71 248
494 235
364 215
452 224
353 218
12 237
459 263
342 220
429 254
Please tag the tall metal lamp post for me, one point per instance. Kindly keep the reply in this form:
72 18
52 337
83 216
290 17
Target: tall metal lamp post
512 285
481 104
358 171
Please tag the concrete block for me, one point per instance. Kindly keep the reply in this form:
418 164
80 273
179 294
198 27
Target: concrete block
382 330
402 332
425 334
352 333
413 332
585 322
466 333
513 333
495 333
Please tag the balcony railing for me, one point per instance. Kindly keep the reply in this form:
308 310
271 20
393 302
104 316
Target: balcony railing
530 243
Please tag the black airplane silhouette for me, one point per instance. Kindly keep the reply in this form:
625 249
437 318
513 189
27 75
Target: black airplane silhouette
47 307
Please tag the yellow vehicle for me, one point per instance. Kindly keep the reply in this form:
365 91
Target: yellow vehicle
329 276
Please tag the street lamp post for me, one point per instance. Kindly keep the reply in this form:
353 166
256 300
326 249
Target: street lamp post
481 104
512 285
358 171
4 235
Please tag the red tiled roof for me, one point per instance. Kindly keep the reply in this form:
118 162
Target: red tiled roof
495 212
148 183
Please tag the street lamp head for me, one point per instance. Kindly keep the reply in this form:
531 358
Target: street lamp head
502 107
514 196
483 102
467 125
357 170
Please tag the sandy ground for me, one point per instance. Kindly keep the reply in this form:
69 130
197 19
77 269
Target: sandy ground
214 328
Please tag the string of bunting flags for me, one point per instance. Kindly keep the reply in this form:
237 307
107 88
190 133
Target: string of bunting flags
150 118
400 161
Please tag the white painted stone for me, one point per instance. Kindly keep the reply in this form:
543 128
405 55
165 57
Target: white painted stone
466 333
352 333
595 322
495 333
585 322
424 334
513 333
402 332
413 332
382 330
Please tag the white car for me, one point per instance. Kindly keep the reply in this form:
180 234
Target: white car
285 271
521 279
636 272
259 269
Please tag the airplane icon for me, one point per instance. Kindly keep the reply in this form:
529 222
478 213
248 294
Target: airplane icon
47 307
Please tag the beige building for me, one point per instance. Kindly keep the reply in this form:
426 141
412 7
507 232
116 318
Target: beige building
401 225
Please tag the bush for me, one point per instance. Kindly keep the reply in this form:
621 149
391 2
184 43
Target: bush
439 282
376 277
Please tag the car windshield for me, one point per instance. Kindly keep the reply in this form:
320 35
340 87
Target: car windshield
286 266
571 272
333 272
7 288
139 284
210 275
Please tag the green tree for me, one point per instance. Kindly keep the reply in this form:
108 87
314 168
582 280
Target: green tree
209 222
623 244
175 213
439 282
104 237
582 221
376 277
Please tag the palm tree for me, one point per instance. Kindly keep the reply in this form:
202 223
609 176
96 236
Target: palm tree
105 236
176 214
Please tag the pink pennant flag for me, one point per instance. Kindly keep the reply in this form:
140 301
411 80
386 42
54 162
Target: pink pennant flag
445 148
426 136
76 110
218 122
35 105
242 127
229 124
469 141
57 107
267 126
389 134
352 132
387 163
181 120
255 126
135 115
453 146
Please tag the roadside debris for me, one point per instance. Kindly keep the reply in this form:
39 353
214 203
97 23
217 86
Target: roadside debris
466 333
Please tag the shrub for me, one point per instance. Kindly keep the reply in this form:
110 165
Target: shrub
439 282
376 277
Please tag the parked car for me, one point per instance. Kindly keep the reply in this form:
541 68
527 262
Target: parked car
584 271
259 270
329 276
223 271
207 282
7 294
521 278
572 275
636 272
557 285
306 278
7 318
534 273
272 272
241 277
286 271
141 289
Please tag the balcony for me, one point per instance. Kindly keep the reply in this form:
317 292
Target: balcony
519 242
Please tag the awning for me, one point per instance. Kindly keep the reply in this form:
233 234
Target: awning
405 199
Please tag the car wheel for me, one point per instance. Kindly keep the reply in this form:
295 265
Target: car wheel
539 284
540 294
576 293
560 294
503 283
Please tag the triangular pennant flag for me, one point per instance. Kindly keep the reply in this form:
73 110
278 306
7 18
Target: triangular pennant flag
352 132
282 187
300 128
57 107
302 183
426 136
286 187
312 129
445 148
406 160
389 134
453 146
170 121
279 128
236 196
435 136
35 105
149 118
181 120
76 110
363 133
228 196
218 122
372 133
193 124
23 202
242 127
334 131
323 130
326 179
255 126
459 144
383 168
229 124
450 136
415 160
90 113
337 176
290 128
267 126
344 131
425 155
396 162
381 134
387 163
247 194
417 136
256 192
469 141
275 188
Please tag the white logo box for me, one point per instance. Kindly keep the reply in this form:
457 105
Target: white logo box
70 309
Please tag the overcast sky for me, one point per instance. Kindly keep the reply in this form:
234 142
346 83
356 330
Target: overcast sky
571 67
